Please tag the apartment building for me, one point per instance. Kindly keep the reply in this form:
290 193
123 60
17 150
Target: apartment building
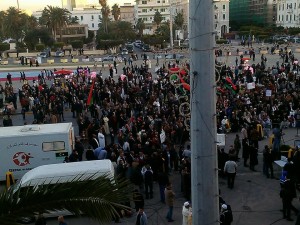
127 13
288 13
221 16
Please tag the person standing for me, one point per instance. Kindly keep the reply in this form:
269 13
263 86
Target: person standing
148 179
267 162
237 146
186 213
169 197
141 218
230 170
162 180
226 217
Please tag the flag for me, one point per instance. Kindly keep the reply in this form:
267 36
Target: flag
90 100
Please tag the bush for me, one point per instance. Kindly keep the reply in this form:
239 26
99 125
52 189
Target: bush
40 47
222 41
105 44
58 45
77 44
4 47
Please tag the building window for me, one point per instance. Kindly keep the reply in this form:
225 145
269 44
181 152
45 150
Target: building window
81 18
279 8
158 1
282 18
291 18
145 19
278 17
282 7
156 10
216 16
295 6
294 17
224 7
216 26
287 18
224 16
163 1
93 25
144 10
164 18
162 10
144 2
99 17
92 17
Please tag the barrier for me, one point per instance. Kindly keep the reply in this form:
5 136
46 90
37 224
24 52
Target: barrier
276 51
63 60
50 61
86 60
4 63
75 60
17 62
10 180
263 52
98 59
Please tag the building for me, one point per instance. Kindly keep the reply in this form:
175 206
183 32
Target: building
146 9
254 12
73 4
87 16
75 32
127 13
288 13
221 16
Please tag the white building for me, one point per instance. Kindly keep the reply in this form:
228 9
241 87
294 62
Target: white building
73 4
91 17
221 16
288 13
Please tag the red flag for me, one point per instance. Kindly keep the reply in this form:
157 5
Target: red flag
90 94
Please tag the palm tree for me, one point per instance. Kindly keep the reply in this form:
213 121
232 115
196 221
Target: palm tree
99 199
55 18
140 26
157 18
105 10
14 23
116 12
2 16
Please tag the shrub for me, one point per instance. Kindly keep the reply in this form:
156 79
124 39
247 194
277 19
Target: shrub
77 44
58 45
4 47
40 47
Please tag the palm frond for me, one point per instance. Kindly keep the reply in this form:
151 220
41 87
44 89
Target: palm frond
98 199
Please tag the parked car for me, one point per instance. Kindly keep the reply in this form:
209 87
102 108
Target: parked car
137 43
146 48
157 56
124 51
108 58
59 54
44 55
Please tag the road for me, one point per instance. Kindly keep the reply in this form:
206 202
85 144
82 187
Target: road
254 199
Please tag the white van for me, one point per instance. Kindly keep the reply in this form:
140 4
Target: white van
66 172
26 147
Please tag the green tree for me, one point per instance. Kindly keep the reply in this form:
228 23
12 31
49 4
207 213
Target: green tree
179 20
2 16
157 18
164 31
74 20
105 10
14 23
140 26
55 19
116 31
116 12
35 35
98 199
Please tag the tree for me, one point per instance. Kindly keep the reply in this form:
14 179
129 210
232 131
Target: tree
179 20
99 199
14 23
74 20
140 26
116 12
34 35
55 18
2 16
105 10
157 18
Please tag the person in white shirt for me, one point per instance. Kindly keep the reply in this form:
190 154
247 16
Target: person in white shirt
187 152
101 139
230 170
186 213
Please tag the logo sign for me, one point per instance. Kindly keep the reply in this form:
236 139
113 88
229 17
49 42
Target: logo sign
21 158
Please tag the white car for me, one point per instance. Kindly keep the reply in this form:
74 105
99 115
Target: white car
124 51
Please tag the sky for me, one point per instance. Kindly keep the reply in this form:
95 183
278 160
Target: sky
34 5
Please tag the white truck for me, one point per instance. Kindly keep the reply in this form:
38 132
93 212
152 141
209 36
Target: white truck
23 148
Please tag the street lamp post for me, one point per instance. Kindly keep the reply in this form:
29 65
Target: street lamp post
171 25
18 4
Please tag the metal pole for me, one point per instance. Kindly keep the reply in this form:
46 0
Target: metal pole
171 24
203 114
18 4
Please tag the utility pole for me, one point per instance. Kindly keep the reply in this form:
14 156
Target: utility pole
171 24
18 4
205 191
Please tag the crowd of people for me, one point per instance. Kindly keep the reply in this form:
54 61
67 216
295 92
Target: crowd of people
136 120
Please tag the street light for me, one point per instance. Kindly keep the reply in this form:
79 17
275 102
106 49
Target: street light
18 4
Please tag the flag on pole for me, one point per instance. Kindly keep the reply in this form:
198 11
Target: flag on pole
89 100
